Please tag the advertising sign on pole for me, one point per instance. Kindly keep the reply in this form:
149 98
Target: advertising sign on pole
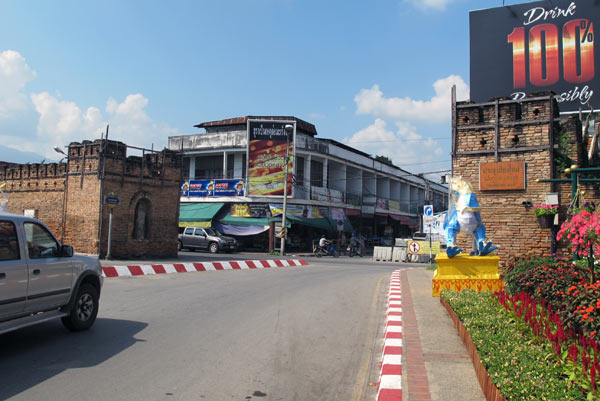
541 46
267 145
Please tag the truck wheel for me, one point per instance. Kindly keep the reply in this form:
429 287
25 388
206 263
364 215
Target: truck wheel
213 247
179 246
84 310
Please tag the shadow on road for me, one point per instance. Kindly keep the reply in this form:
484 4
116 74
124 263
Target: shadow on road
35 354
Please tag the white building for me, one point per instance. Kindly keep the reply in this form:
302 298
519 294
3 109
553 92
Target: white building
377 199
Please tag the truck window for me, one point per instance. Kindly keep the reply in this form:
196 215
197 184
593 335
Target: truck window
199 232
189 231
9 244
40 243
210 231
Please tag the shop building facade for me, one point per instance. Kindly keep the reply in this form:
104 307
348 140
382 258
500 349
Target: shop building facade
233 178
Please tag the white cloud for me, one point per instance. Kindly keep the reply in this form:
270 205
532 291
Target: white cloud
130 123
437 5
36 122
435 110
404 146
14 104
64 120
14 72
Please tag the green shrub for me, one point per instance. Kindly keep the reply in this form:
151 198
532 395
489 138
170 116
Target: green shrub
521 366
564 287
523 265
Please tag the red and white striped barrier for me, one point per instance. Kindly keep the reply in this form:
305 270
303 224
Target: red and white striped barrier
141 270
390 381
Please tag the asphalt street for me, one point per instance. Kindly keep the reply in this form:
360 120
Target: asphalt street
294 333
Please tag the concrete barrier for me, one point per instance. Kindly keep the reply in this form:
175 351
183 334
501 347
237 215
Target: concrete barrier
382 253
399 254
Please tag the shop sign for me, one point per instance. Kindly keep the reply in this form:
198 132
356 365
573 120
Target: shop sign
366 209
208 188
256 210
394 205
502 176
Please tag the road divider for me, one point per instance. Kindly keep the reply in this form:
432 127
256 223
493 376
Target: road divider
390 381
150 269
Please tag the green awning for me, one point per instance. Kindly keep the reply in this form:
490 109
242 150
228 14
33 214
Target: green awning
197 214
322 224
249 221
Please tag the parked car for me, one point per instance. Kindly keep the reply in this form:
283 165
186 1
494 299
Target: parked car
206 238
41 279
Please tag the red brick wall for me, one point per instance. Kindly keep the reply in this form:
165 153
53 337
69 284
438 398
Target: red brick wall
41 187
508 222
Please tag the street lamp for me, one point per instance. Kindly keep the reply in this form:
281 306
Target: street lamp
57 149
63 218
289 129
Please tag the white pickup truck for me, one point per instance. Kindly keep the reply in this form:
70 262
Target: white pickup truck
41 279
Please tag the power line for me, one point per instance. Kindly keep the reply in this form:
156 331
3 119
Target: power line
396 140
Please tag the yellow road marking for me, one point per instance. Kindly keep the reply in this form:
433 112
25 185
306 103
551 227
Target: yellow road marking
367 357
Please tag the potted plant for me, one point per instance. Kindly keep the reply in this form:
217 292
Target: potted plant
545 214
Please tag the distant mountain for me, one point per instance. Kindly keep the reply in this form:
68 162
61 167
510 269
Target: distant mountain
16 156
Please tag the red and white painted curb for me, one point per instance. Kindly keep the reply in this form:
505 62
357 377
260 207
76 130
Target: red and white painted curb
390 381
141 270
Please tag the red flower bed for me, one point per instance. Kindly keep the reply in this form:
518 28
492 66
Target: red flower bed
577 352
559 303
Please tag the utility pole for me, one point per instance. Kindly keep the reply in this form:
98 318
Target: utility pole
289 129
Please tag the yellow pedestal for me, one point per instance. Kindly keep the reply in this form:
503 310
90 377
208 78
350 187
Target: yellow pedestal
479 273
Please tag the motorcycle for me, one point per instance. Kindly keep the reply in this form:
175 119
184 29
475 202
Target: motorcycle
353 251
321 251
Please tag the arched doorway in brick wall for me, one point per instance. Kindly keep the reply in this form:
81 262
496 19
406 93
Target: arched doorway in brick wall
142 219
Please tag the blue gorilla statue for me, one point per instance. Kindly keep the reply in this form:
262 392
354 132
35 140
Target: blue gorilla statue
463 216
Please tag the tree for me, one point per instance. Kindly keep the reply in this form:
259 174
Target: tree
384 159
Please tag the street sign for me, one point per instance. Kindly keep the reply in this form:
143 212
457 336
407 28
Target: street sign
111 200
414 247
423 248
428 215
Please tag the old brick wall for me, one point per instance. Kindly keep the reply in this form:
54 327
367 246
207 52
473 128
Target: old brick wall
91 175
152 178
524 135
38 187
83 197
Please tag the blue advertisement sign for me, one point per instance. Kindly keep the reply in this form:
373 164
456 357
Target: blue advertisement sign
209 188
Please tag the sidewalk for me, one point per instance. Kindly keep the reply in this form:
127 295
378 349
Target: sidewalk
436 365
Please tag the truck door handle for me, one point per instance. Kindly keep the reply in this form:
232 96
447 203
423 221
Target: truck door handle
2 276
36 271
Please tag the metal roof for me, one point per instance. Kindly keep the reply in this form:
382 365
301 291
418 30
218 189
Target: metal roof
301 125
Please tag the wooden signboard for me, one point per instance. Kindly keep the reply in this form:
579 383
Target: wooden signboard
501 176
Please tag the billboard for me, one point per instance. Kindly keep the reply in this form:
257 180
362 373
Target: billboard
267 144
207 188
532 47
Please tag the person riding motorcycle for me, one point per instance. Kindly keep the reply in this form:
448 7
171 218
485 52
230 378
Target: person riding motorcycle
354 246
326 246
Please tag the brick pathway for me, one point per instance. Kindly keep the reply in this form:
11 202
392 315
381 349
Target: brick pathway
414 363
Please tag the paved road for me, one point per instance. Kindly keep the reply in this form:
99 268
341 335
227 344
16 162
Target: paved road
305 333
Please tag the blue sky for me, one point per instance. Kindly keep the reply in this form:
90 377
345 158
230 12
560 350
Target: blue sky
373 74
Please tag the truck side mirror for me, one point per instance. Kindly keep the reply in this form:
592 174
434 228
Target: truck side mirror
66 251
